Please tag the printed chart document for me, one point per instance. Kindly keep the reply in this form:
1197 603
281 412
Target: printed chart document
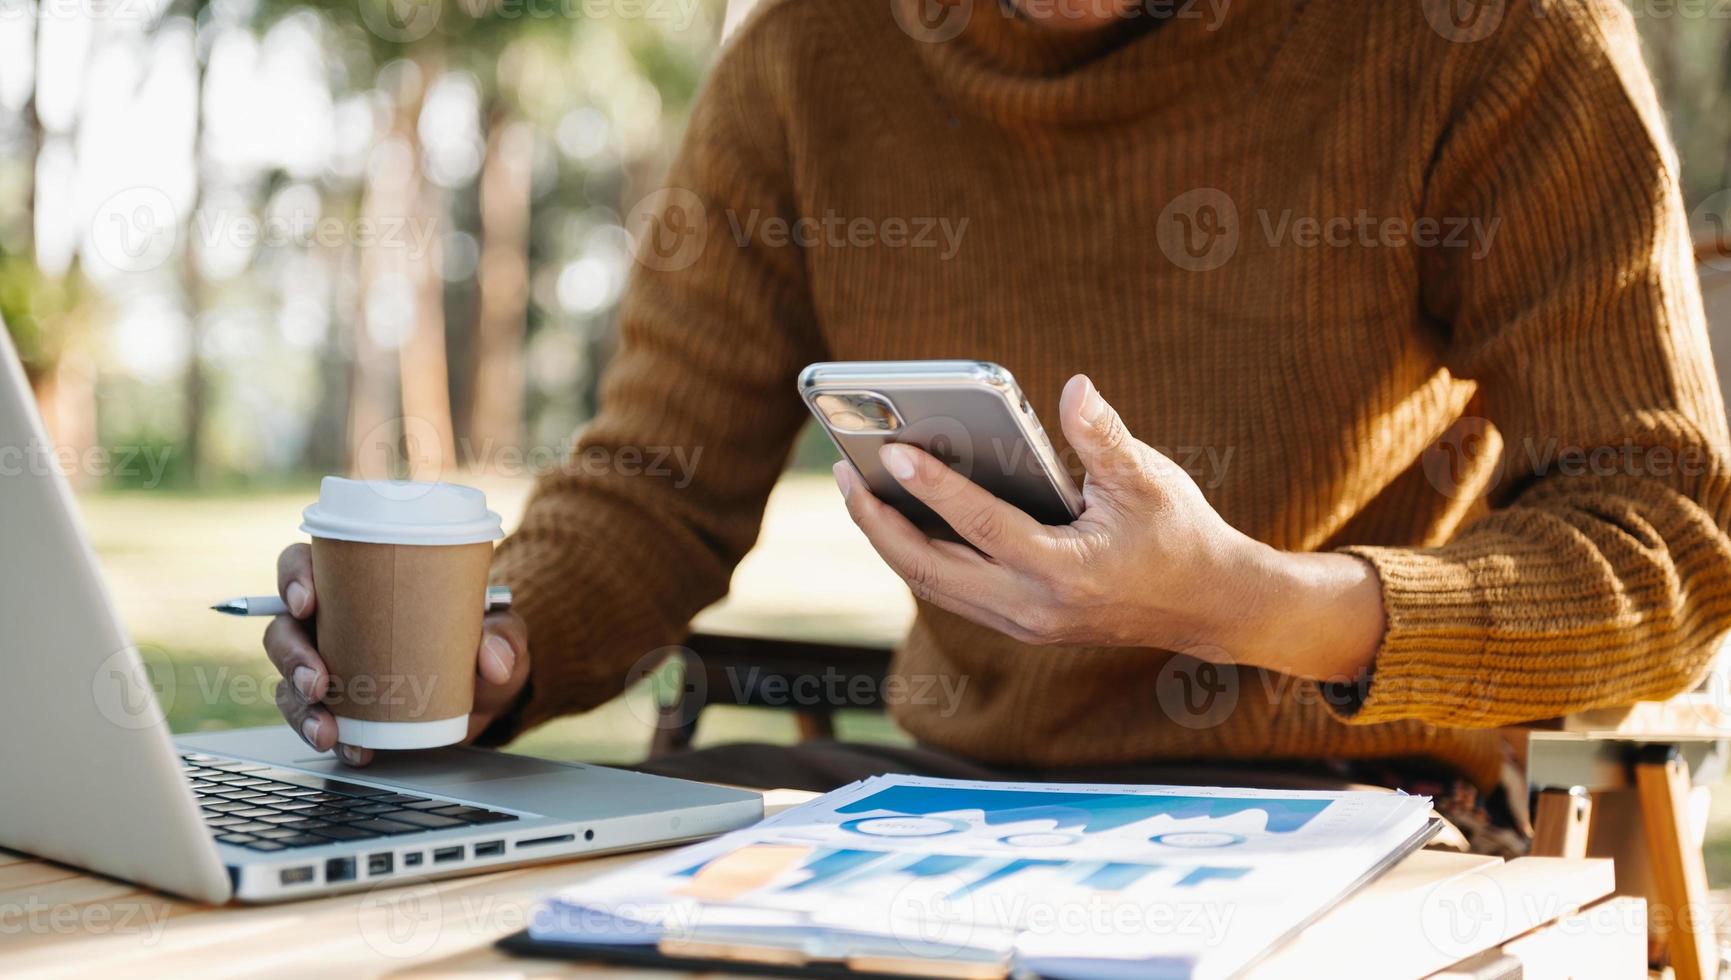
1060 880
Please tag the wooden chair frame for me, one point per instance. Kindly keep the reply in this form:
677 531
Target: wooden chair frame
765 673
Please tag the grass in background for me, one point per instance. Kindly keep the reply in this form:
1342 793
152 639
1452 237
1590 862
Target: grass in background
168 555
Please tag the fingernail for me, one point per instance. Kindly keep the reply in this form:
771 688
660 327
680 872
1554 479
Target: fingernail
1092 404
305 677
350 754
500 652
843 477
900 460
297 599
310 731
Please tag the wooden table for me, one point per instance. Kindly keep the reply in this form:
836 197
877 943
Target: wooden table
1432 910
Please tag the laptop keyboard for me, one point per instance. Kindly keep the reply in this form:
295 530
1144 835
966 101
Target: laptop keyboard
267 809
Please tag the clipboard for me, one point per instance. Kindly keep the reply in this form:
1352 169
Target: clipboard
741 958
752 960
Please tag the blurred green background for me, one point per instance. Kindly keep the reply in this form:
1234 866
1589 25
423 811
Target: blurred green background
241 240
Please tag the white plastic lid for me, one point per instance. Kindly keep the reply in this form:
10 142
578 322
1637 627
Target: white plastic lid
400 512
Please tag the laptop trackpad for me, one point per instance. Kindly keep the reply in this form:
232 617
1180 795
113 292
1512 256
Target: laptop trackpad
457 765
439 767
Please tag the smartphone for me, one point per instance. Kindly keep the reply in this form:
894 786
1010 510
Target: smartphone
969 414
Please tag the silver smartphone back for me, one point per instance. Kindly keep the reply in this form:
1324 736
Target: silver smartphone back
969 414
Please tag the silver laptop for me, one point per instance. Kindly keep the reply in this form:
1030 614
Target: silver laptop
90 776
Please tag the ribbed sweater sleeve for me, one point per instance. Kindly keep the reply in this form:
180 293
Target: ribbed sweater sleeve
1602 572
664 492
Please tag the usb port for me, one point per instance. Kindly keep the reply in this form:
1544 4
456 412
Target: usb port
444 854
492 848
340 869
296 876
379 864
412 859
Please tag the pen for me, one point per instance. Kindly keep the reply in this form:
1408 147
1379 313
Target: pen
498 599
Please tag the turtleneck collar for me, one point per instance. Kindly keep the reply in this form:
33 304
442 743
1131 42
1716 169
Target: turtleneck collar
995 61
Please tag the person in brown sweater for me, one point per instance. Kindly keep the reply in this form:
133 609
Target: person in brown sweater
1421 289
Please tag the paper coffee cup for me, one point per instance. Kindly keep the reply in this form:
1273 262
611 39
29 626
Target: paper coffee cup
401 574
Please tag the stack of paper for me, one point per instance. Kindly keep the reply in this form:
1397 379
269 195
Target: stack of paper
1055 879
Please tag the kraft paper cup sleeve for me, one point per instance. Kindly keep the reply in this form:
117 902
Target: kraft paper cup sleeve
398 627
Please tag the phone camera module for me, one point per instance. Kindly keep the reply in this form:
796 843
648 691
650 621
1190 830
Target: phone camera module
858 412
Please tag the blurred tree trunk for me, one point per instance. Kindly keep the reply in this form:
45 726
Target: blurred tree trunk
426 376
66 399
497 420
41 374
375 429
64 379
409 216
327 439
195 383
33 141
1725 93
1662 42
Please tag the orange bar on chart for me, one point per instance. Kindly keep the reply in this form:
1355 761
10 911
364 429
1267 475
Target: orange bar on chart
745 870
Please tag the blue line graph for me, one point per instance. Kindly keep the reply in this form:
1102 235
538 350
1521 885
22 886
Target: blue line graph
1087 812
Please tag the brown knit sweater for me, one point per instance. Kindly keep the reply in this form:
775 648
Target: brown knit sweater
1407 291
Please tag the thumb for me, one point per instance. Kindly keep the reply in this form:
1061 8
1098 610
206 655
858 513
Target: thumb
503 669
1110 454
504 647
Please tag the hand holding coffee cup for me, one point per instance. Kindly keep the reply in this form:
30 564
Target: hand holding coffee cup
390 649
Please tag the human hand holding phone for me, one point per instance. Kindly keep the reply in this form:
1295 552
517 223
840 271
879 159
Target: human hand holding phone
1147 563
